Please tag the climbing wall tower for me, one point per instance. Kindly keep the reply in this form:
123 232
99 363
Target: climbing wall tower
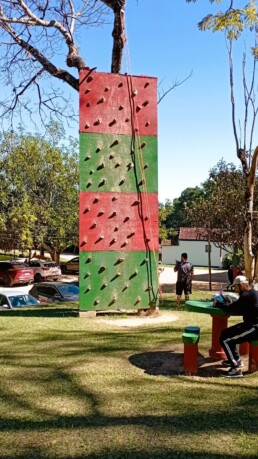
118 192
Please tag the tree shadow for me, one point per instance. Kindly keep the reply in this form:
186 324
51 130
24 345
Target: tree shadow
171 363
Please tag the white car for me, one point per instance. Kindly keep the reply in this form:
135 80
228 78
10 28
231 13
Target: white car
45 270
12 299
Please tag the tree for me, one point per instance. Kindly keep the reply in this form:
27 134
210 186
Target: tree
34 33
220 208
39 185
165 210
233 22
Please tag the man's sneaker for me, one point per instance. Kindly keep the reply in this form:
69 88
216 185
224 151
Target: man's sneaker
232 373
227 363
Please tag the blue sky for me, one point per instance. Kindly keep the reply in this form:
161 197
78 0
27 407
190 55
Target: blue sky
194 120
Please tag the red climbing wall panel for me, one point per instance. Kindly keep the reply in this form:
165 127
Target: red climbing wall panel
115 221
121 104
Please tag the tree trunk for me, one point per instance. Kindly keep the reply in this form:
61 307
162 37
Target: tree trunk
248 234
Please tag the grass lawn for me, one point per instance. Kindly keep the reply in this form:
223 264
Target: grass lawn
85 388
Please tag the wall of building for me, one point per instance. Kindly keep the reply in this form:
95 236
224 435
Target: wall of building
196 253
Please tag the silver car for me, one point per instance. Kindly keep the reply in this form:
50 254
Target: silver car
13 299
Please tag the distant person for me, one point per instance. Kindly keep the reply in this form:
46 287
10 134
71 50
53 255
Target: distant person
246 331
185 273
230 277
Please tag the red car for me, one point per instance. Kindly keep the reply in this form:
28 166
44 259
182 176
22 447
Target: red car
15 273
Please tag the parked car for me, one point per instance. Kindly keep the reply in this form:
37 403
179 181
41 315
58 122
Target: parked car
51 292
71 266
45 270
12 273
12 299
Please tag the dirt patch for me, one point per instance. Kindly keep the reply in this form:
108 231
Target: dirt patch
141 321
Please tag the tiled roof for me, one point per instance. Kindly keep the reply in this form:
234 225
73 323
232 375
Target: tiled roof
192 234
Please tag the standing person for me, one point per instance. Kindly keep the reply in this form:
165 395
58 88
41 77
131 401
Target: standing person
247 306
230 277
185 272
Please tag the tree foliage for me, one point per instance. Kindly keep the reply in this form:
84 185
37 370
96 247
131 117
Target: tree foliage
39 186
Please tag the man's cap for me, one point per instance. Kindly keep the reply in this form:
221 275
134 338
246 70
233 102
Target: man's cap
240 280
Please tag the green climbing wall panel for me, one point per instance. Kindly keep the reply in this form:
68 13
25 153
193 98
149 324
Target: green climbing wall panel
110 162
118 280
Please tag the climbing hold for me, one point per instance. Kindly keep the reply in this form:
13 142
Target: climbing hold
91 172
121 107
112 215
101 269
106 89
87 126
86 275
146 84
86 210
88 289
111 156
117 165
135 92
87 90
88 184
95 200
138 108
116 142
120 260
136 202
100 101
146 102
126 219
103 181
90 78
89 259
130 235
121 84
112 122
98 150
97 122
87 158
115 198
101 212
121 182
83 243
147 123
101 166
93 225
143 145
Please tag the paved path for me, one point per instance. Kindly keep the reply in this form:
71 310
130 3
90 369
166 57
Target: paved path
219 277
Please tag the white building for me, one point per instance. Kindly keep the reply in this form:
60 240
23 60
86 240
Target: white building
194 242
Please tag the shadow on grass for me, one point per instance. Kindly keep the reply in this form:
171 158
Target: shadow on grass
171 363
